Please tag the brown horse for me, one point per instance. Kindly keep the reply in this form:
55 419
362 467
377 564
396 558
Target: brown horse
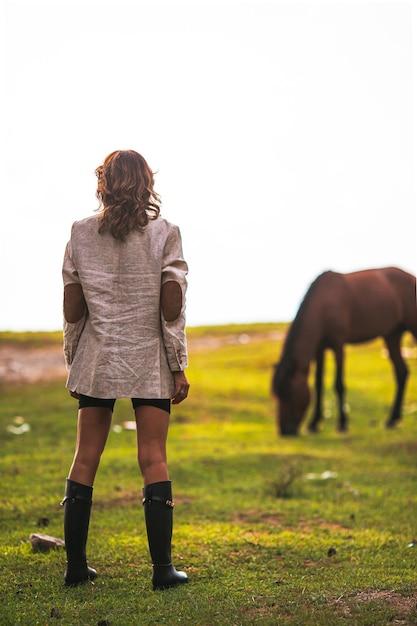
339 309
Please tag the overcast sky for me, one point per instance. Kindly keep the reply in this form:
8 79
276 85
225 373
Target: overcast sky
281 133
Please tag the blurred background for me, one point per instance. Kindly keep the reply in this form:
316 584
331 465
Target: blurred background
281 134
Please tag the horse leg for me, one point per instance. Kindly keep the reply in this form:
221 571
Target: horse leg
318 385
340 387
393 343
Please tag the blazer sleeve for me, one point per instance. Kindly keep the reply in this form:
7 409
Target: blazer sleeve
72 331
174 272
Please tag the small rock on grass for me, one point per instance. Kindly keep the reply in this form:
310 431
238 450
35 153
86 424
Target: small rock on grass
44 543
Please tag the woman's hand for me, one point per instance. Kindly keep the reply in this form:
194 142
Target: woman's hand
181 387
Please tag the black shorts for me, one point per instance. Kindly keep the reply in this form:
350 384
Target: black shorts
108 403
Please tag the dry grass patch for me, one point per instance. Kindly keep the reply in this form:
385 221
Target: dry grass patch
405 607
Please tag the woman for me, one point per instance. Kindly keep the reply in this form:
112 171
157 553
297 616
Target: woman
124 337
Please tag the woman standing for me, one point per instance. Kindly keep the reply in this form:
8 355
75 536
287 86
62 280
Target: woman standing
124 337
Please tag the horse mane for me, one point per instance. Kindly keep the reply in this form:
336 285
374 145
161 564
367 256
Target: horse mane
286 363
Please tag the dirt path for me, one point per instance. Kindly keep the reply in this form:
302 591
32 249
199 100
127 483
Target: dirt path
28 364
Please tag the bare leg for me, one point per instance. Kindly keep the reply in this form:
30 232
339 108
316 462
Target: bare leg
93 429
152 431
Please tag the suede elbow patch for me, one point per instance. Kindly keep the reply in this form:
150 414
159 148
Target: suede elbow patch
171 300
74 303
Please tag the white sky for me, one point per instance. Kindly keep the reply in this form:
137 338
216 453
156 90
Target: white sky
282 134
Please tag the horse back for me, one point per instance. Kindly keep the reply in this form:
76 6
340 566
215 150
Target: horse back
380 302
405 286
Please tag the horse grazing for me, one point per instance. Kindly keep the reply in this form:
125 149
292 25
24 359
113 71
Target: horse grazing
339 309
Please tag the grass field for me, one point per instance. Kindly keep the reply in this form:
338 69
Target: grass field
319 529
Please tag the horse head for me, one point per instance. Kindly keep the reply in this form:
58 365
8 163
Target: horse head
290 386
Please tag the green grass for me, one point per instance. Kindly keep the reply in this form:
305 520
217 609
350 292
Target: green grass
30 338
263 541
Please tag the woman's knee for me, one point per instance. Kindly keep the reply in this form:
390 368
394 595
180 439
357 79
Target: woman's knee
88 458
149 462
154 472
83 470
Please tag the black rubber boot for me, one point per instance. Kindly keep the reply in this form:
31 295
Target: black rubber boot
77 507
158 505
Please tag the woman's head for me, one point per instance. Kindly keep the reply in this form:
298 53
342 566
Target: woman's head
126 194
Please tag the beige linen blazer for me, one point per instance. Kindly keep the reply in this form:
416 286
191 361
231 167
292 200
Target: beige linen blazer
122 347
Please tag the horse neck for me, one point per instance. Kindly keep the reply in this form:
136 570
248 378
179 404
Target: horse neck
305 348
307 337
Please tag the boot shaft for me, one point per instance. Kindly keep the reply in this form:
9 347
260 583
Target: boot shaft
160 492
158 507
77 491
77 507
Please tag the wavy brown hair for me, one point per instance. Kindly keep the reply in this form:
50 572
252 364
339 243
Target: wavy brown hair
126 194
